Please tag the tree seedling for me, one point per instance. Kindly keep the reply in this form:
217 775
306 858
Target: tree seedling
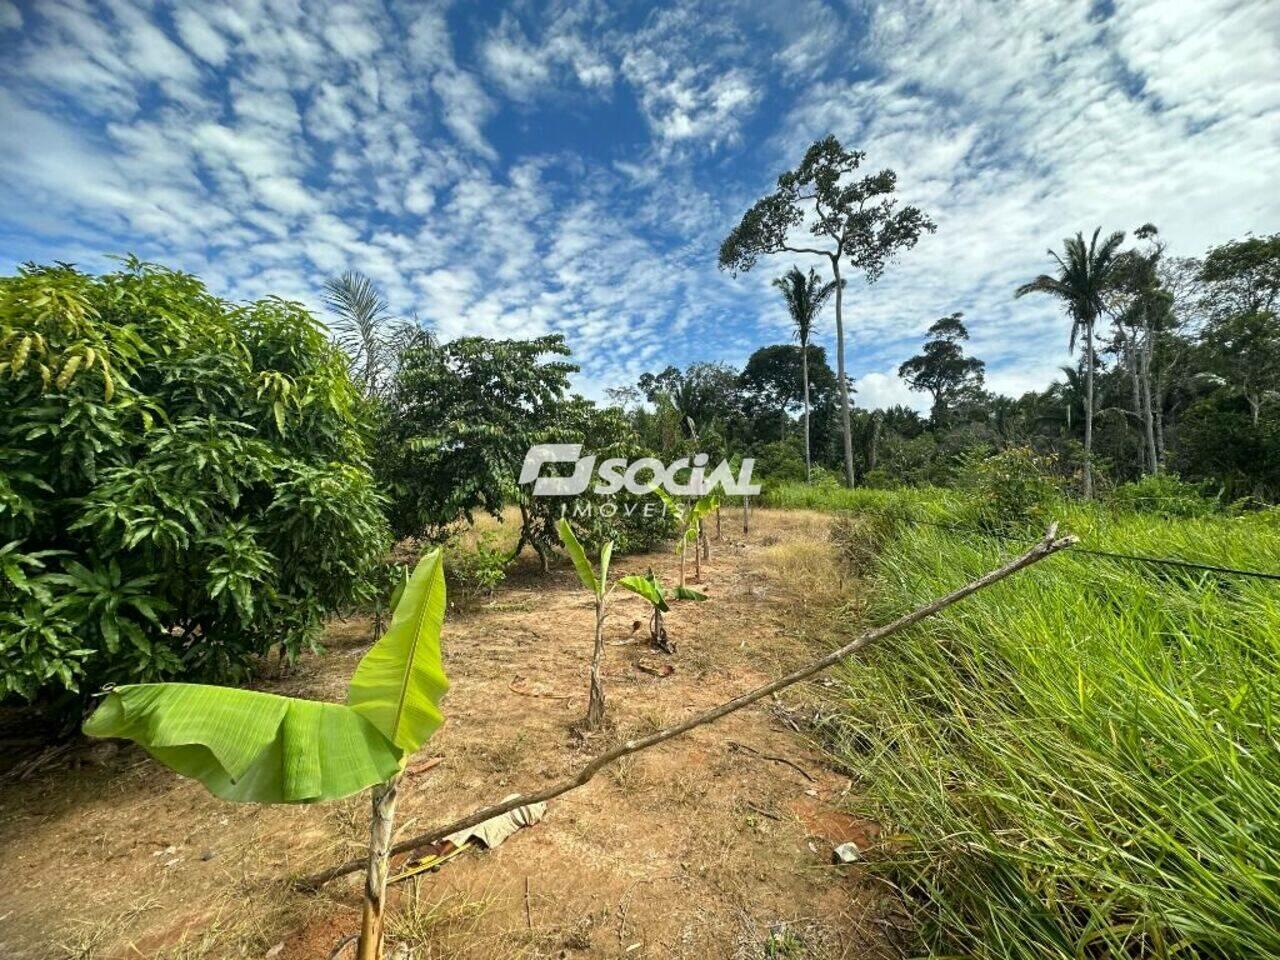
600 590
254 747
689 517
650 588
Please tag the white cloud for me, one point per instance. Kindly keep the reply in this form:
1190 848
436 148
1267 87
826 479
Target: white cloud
10 16
267 145
200 37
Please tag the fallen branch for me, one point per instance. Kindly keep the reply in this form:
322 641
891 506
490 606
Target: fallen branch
735 745
1051 544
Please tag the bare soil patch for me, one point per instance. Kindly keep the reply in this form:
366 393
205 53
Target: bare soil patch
703 847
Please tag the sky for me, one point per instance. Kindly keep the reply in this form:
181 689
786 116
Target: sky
520 169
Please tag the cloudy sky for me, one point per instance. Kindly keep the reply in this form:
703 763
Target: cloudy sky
572 167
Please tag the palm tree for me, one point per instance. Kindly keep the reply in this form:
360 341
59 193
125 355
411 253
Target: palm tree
1084 272
805 297
373 339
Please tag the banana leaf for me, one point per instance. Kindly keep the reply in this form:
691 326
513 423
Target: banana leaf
400 682
579 556
688 593
646 587
249 746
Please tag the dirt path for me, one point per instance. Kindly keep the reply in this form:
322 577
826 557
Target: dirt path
699 848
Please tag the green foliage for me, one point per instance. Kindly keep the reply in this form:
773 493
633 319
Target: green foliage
634 523
1012 490
780 462
650 588
942 369
598 585
184 483
1165 495
476 570
458 421
254 747
1078 762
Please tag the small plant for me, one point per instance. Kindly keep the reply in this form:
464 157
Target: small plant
597 586
650 588
689 517
255 747
476 571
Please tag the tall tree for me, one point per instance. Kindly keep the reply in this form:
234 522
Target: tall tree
856 217
805 297
1084 273
941 369
1242 335
775 378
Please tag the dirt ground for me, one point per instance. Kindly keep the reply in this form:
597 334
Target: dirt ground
702 847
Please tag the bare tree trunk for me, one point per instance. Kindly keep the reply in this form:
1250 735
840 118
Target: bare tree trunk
1048 546
844 382
1135 391
595 700
874 453
381 826
1088 411
1144 374
719 532
684 549
804 367
697 553
746 514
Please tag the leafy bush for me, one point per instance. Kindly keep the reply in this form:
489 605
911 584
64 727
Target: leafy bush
633 523
184 481
1012 489
1164 494
476 570
780 462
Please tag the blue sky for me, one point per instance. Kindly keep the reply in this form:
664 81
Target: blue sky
512 170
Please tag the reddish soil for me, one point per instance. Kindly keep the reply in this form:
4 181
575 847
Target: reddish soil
703 847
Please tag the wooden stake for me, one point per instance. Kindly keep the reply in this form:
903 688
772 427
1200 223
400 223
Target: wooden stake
1050 545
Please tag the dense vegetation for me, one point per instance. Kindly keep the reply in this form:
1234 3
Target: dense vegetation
1186 381
184 481
1080 762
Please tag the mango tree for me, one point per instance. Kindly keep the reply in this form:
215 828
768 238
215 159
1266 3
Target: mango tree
598 587
253 747
650 588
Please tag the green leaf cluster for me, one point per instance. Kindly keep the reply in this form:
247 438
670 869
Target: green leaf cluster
250 746
184 483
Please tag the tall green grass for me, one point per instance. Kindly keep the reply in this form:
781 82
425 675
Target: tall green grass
1082 761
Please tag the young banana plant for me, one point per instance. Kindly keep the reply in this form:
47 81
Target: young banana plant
598 585
254 747
650 588
689 517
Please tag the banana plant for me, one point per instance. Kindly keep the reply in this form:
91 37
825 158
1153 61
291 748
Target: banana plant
598 585
254 747
689 517
650 588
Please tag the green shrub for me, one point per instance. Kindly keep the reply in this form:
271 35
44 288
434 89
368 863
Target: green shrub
1011 490
475 570
184 483
1164 494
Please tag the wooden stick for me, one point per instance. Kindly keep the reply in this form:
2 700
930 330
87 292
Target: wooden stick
1050 545
735 745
